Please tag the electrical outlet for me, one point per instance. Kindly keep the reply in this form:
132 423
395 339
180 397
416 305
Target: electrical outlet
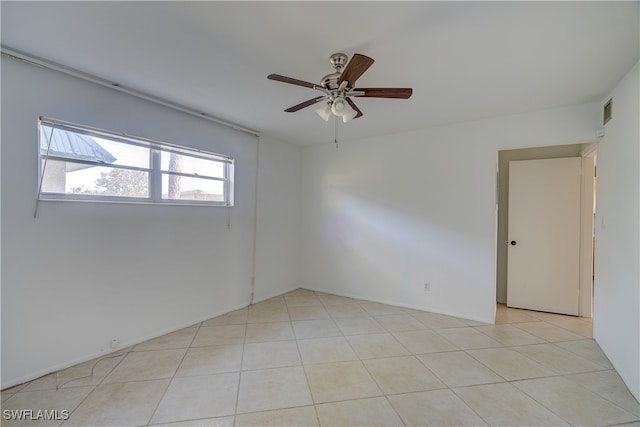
427 286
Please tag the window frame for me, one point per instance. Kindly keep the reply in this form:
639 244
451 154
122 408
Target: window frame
155 171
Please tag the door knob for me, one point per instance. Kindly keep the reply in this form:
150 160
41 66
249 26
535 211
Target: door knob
513 243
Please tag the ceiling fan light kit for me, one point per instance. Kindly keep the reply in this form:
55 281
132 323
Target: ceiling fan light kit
340 108
324 111
339 86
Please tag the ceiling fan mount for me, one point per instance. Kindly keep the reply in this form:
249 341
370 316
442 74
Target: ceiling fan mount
338 60
338 88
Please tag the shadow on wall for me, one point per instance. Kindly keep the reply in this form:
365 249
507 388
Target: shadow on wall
390 247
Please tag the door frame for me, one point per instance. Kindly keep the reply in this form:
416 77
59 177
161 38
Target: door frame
587 235
587 151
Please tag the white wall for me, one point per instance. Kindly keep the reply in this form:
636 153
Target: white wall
81 274
278 232
617 278
383 215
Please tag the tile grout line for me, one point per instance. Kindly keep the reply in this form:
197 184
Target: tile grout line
415 356
469 406
579 356
411 354
555 375
95 387
541 404
503 345
585 388
582 337
384 395
554 345
174 374
306 377
244 343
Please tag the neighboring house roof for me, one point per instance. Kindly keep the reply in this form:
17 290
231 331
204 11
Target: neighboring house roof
73 146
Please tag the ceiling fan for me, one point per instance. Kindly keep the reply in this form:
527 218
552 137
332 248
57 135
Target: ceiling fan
339 86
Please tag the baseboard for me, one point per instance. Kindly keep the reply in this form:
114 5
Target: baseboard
396 304
85 358
103 352
269 296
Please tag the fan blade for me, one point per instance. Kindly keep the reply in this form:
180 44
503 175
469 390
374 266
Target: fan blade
290 80
386 92
305 104
353 105
355 68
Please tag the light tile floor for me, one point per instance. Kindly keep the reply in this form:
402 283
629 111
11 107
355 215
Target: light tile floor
308 358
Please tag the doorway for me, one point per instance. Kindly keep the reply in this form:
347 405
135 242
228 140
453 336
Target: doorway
588 154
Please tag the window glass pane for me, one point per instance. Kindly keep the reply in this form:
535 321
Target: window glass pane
87 163
76 178
176 187
176 162
78 146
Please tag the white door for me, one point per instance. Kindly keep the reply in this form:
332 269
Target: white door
543 260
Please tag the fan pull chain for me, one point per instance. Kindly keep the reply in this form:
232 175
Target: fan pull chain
335 139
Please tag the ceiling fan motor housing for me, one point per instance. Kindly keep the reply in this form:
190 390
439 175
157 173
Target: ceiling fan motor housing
330 81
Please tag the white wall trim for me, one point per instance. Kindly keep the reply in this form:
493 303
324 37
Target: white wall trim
535 152
130 343
589 149
413 307
273 295
585 301
104 352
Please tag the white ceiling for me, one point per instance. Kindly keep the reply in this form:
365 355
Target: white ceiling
464 60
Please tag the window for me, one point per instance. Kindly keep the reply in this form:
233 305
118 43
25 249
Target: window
80 163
